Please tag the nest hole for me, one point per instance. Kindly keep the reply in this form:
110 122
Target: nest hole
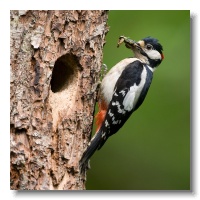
64 71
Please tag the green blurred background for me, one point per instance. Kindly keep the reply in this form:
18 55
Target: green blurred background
152 150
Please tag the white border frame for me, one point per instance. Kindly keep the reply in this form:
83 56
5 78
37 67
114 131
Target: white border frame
6 6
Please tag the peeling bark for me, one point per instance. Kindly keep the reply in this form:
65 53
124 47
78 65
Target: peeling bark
56 59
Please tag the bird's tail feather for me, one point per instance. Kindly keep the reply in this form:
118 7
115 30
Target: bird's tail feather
93 146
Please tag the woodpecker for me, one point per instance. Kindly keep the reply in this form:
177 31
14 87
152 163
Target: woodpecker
123 90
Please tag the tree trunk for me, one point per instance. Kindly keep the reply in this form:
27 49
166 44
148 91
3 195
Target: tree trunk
56 58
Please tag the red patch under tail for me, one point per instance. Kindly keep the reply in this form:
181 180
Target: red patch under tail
101 114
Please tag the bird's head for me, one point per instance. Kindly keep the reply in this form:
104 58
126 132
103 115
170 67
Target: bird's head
148 50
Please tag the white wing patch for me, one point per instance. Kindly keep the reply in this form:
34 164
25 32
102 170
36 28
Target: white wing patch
129 98
133 94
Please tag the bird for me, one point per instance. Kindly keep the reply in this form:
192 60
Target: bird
123 90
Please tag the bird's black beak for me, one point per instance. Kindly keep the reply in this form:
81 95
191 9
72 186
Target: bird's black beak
129 45
137 46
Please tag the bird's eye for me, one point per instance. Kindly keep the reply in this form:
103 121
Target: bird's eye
149 46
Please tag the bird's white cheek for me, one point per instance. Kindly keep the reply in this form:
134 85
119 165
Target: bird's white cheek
153 54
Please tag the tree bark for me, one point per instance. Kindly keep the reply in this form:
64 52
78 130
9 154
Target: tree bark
56 58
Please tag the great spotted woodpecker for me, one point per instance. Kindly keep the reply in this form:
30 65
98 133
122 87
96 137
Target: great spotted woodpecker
123 90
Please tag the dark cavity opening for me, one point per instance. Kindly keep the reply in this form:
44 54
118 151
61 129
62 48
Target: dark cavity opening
64 71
